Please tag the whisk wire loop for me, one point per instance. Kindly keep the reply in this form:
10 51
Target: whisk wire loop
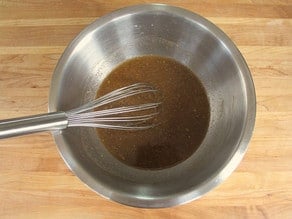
108 118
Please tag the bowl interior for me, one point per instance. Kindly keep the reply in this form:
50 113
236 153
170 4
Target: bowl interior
191 40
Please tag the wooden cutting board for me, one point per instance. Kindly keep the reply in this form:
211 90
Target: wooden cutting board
34 180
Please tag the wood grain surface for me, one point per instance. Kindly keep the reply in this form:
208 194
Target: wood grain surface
34 180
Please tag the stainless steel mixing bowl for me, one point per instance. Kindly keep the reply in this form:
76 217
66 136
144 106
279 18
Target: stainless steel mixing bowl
193 41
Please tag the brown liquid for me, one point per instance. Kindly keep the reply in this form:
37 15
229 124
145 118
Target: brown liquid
183 119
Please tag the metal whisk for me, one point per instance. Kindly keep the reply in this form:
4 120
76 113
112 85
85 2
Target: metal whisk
86 116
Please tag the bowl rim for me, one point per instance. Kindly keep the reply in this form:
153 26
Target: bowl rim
215 179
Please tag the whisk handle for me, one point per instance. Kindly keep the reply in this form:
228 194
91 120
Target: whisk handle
32 124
